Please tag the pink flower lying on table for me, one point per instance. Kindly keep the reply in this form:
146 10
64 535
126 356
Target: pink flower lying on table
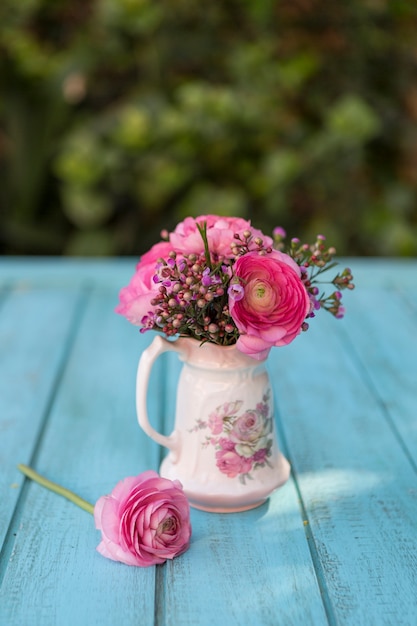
145 520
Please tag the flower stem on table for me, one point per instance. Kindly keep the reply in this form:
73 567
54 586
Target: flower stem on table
66 493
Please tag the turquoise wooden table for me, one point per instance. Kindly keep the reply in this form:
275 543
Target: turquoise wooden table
336 545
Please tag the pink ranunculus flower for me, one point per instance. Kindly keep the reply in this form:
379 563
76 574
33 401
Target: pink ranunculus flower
220 234
144 521
274 305
135 299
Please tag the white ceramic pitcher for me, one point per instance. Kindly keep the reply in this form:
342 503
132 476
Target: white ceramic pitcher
223 448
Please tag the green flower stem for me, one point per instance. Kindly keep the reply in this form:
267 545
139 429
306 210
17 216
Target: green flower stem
202 229
66 493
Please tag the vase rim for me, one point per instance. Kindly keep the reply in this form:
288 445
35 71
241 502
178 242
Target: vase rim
220 354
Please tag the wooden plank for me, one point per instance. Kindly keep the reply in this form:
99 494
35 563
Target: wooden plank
242 568
253 567
387 352
66 272
409 297
356 481
348 434
381 272
91 441
35 333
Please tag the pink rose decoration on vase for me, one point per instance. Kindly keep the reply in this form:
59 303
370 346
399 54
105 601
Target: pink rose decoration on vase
232 464
248 433
144 521
242 440
273 304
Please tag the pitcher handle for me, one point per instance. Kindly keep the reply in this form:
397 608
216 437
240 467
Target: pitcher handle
158 346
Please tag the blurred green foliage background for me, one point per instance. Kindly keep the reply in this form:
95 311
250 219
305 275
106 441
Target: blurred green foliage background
120 117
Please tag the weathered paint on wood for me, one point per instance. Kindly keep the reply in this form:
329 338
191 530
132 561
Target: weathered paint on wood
336 545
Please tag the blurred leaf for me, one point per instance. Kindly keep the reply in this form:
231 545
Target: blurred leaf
398 238
85 208
293 72
205 199
133 128
160 177
91 243
118 117
133 16
81 161
352 120
279 169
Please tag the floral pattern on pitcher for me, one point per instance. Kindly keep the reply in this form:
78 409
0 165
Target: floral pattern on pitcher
242 439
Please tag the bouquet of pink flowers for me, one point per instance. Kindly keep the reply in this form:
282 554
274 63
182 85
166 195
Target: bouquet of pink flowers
221 280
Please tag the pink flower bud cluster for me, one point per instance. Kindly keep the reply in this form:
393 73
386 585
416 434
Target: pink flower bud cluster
314 260
192 299
247 242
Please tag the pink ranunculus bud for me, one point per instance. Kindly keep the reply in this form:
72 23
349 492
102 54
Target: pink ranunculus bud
275 302
144 521
220 233
135 299
279 232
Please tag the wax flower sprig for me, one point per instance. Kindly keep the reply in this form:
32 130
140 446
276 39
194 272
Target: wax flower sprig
219 279
314 260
